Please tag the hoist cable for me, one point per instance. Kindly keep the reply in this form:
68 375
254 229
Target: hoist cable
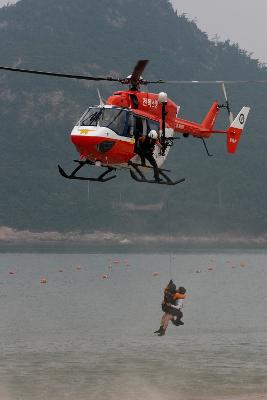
169 236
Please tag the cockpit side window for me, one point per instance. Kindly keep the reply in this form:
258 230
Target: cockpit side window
91 116
114 119
121 122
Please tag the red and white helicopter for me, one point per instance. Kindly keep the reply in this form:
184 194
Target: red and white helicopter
107 134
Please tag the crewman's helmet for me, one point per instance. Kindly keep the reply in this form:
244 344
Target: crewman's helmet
181 290
153 134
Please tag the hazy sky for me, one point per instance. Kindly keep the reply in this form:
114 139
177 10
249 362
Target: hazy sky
4 2
237 20
240 21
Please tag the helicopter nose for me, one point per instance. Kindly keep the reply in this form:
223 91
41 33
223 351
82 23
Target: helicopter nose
105 146
90 144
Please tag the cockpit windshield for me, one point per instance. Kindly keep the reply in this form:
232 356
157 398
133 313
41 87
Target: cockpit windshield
112 118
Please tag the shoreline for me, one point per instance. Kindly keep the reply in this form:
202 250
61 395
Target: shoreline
250 396
26 240
115 248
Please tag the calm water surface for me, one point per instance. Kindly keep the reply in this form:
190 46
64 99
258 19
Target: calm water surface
83 337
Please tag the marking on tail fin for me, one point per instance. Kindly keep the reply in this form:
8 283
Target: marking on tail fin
241 118
232 140
235 130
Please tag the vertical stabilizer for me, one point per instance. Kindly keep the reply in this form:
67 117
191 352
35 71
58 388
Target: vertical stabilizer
210 119
236 129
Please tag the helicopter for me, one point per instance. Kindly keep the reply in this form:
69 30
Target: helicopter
107 135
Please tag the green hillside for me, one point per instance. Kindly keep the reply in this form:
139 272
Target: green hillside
223 193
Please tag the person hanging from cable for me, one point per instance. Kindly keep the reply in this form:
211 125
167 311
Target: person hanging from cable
169 292
171 306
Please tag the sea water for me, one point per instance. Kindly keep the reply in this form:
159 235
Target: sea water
80 326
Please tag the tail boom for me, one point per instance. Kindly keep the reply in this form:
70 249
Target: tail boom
204 129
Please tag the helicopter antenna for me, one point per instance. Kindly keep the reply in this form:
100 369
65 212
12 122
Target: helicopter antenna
101 101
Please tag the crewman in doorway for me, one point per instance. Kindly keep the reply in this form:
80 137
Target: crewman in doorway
146 146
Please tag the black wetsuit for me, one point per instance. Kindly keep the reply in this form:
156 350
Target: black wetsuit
168 301
145 151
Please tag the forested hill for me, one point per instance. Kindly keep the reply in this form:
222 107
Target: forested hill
223 193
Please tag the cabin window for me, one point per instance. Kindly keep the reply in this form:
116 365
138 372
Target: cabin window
153 125
130 125
140 126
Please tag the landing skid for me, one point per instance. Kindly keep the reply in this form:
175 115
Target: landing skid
142 178
100 178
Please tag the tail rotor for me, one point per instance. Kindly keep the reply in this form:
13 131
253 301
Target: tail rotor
227 105
236 125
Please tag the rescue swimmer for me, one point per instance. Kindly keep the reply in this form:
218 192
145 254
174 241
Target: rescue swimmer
171 306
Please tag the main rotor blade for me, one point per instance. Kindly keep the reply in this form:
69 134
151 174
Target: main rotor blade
59 75
135 78
204 82
137 72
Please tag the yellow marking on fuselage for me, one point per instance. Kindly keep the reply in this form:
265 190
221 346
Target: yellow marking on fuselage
85 131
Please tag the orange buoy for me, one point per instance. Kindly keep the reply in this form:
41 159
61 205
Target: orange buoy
155 274
242 264
78 268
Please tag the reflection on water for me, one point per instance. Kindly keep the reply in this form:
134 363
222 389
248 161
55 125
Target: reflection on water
80 336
